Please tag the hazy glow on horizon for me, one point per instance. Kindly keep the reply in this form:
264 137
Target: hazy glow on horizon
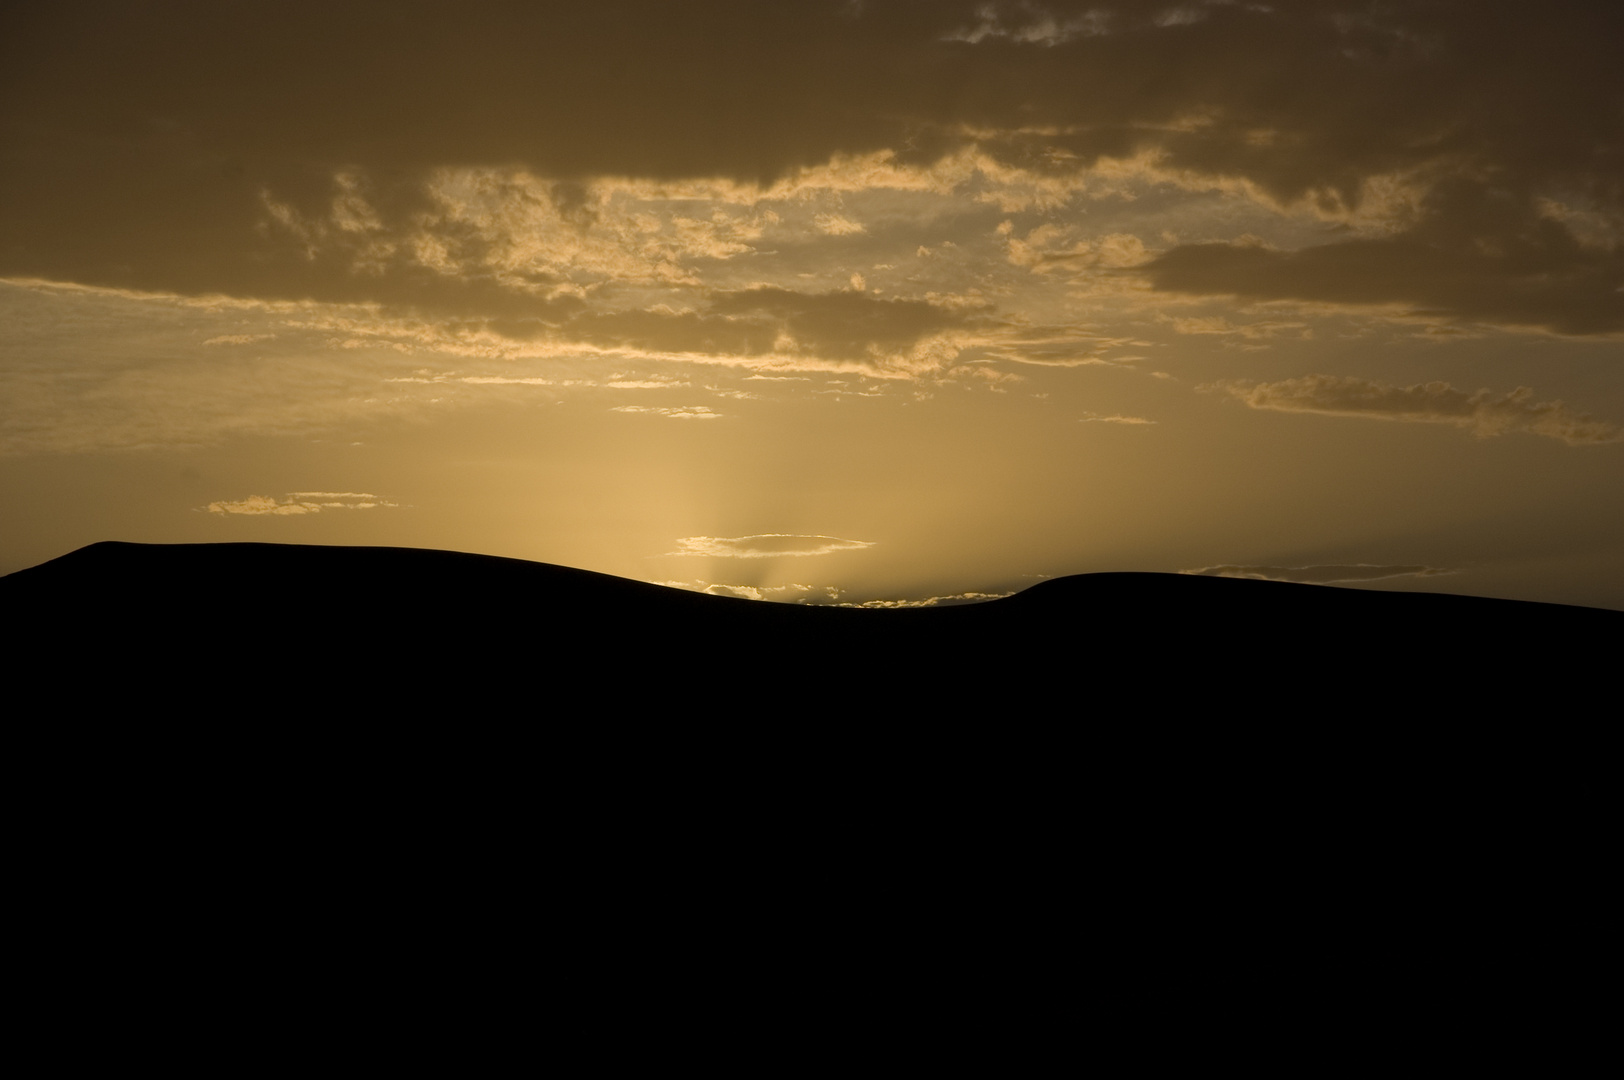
1007 290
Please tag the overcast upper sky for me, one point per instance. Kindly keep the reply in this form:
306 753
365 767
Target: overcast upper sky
825 301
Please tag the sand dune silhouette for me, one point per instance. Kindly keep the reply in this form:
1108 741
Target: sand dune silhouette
1238 775
410 622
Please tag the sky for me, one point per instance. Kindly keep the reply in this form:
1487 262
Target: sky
826 302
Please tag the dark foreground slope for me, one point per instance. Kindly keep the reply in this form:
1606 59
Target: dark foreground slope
402 637
1337 811
179 625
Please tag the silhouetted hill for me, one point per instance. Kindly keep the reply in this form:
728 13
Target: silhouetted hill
1172 666
387 623
1162 671
1206 777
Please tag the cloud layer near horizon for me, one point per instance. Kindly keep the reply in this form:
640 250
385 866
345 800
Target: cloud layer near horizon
1320 575
1483 413
298 503
765 546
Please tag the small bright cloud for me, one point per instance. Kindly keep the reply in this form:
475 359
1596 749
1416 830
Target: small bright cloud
238 339
679 412
1115 418
793 593
765 545
836 225
1319 575
953 600
299 502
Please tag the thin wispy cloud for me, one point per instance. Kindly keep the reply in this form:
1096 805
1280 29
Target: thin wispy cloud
1483 413
237 339
645 384
837 225
298 503
1321 575
950 600
765 546
1218 325
674 412
793 593
1114 418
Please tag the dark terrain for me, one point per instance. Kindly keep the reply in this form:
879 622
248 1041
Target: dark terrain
1210 678
1358 810
333 626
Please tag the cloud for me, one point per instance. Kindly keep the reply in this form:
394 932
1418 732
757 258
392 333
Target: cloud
765 545
638 140
1051 248
1484 413
470 234
237 339
678 412
1320 575
792 593
765 328
1029 24
623 383
1095 418
823 594
477 380
124 369
1526 277
299 503
845 325
1218 325
953 600
121 370
837 225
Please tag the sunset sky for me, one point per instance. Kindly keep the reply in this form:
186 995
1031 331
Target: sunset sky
839 301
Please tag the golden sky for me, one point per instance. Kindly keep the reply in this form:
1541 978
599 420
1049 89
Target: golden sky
850 301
